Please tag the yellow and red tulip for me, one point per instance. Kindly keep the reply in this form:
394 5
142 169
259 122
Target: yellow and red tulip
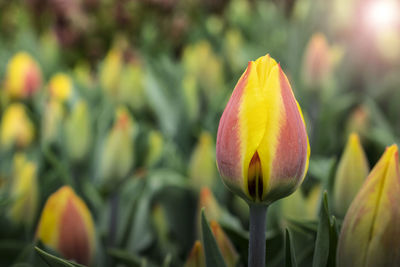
262 143
16 127
352 170
370 234
23 76
24 191
66 226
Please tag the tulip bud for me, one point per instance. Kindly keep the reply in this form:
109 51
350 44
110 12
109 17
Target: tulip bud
131 86
359 121
370 234
196 257
78 132
117 156
60 87
23 76
352 170
24 191
319 60
110 71
191 96
16 127
211 207
53 117
228 251
155 148
262 143
202 169
313 201
66 226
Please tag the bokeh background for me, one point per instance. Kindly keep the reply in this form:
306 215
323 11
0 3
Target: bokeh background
121 101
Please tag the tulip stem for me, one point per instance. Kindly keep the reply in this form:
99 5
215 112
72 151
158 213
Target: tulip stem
258 214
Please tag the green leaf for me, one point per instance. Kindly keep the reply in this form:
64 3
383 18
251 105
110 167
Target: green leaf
290 257
213 254
54 261
321 251
125 257
333 240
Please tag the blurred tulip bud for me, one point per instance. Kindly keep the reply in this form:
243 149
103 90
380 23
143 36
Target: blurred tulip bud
16 127
191 96
160 223
200 61
60 87
78 131
196 257
351 172
233 45
262 143
370 234
53 116
155 148
228 251
66 226
359 121
202 169
110 71
24 191
23 76
131 86
49 49
319 60
117 156
211 207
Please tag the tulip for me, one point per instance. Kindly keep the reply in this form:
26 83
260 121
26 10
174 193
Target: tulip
23 76
24 191
319 60
359 121
16 127
211 207
196 257
66 226
202 169
60 87
191 95
370 234
117 156
110 71
228 251
53 116
262 144
131 89
78 142
352 170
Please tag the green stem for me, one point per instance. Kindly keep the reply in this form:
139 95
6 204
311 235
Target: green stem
258 214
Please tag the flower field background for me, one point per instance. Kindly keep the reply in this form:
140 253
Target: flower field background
109 112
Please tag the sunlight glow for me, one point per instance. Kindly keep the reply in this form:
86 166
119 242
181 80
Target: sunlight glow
382 14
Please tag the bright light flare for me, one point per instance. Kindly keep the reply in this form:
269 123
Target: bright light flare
382 14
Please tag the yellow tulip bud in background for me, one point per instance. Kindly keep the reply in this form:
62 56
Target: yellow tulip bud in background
131 89
23 76
370 234
66 226
228 251
117 156
16 127
262 143
211 207
53 117
78 131
191 96
60 87
196 257
155 148
24 191
351 172
202 169
110 71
